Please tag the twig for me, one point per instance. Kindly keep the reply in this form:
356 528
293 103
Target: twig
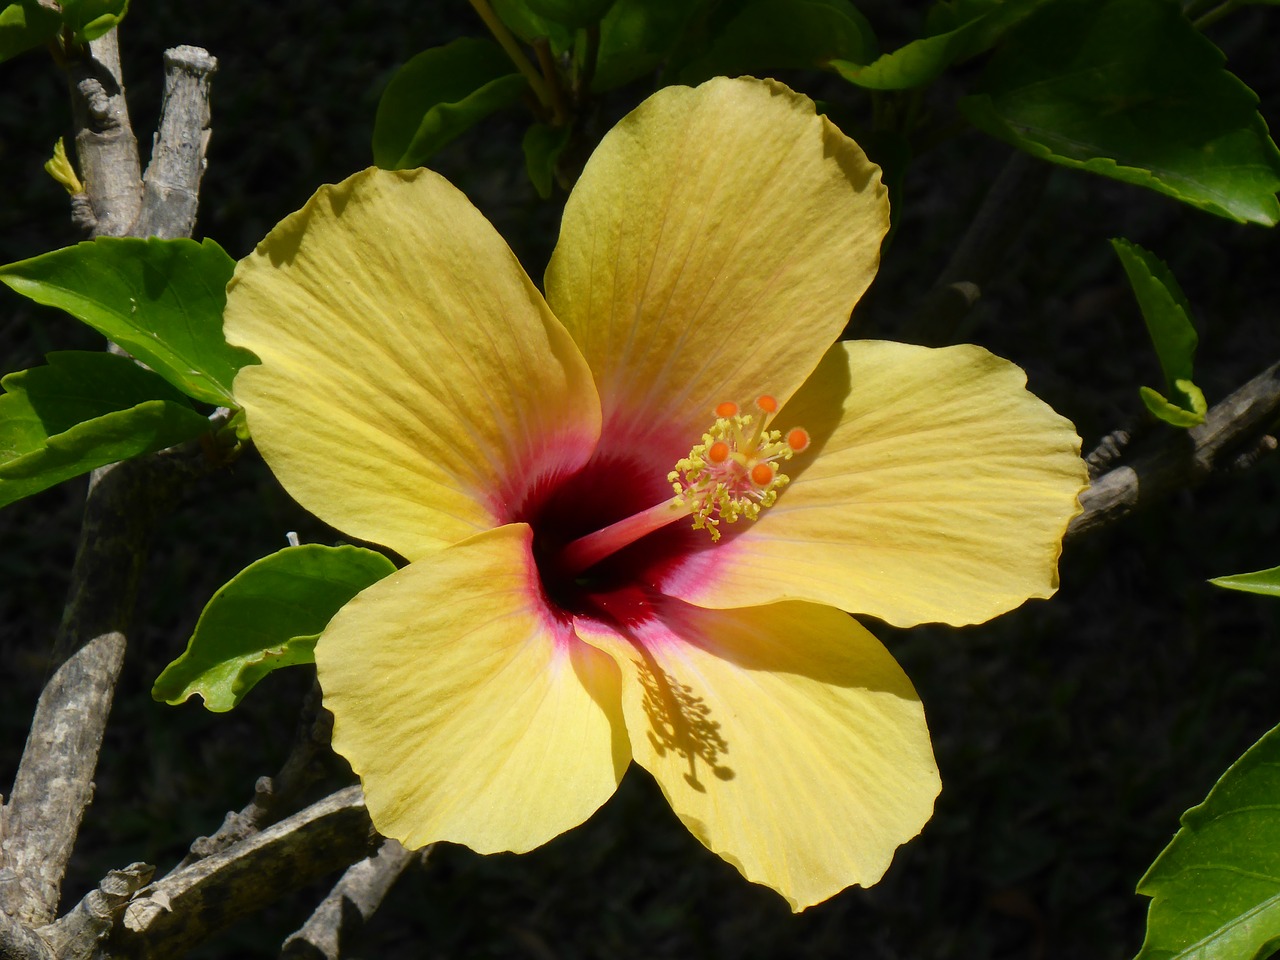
348 907
106 148
273 795
54 783
187 906
171 186
1231 428
77 935
981 251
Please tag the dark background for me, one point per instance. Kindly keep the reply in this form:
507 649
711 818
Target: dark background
1071 733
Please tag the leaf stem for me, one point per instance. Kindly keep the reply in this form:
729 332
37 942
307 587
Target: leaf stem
512 48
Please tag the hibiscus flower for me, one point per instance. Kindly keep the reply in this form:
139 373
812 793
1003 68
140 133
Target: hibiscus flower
561 474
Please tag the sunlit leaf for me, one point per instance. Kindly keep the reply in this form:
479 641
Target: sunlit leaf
1131 90
1266 582
82 411
26 25
1171 413
780 34
1216 888
438 95
161 300
266 617
956 33
90 19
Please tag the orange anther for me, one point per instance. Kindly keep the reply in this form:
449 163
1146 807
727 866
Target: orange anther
797 438
718 452
767 403
762 474
726 409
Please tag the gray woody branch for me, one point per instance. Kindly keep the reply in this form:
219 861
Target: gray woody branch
54 783
1234 434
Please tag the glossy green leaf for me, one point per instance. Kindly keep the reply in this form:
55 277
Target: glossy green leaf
956 32
542 146
266 617
82 411
1129 89
1266 582
26 25
89 19
571 13
637 36
1216 888
438 95
161 300
1164 309
784 34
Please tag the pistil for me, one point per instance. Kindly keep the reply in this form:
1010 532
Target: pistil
589 550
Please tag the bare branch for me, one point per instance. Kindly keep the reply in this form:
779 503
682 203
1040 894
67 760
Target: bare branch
353 900
1233 435
54 782
77 935
171 186
274 795
190 904
106 148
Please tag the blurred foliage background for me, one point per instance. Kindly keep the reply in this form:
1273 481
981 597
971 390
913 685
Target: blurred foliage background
1070 733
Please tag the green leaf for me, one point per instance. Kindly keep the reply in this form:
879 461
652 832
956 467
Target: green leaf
1216 887
82 411
571 13
528 26
543 145
90 19
26 25
1129 89
1266 582
161 300
267 616
636 36
1173 414
438 95
784 34
1164 308
956 32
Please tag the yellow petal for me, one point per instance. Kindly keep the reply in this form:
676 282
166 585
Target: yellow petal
414 386
936 489
470 713
712 250
785 737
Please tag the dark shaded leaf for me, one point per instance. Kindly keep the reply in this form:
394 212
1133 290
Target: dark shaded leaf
438 95
543 145
956 33
1129 89
784 34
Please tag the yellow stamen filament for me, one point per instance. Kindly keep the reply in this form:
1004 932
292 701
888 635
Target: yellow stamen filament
733 472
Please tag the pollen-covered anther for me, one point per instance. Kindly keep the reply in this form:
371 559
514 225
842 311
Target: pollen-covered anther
733 472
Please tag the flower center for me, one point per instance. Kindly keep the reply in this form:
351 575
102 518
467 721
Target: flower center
731 474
